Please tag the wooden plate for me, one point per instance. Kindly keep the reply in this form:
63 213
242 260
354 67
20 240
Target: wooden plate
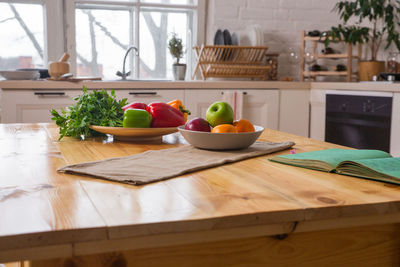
135 134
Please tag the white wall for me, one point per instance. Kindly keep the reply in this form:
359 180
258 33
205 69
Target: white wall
281 20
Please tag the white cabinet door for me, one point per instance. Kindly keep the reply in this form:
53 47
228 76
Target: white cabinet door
261 107
294 111
148 95
317 118
198 101
34 106
395 130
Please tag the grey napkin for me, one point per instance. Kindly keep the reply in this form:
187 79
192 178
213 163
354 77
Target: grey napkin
156 165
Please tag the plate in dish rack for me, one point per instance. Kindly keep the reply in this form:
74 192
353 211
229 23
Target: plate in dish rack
135 134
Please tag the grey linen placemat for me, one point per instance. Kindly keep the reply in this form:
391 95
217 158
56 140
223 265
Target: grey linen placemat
156 165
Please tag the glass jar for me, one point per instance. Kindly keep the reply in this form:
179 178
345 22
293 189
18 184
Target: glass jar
392 63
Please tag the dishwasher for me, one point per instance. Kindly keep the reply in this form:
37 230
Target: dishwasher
359 121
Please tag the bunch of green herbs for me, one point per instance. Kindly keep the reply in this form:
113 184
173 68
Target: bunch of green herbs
92 108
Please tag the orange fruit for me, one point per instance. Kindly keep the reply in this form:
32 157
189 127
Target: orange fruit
224 128
243 126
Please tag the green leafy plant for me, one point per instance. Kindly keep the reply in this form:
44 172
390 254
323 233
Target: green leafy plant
175 47
91 108
383 15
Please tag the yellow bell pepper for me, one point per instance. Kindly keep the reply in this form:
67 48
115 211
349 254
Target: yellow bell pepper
179 106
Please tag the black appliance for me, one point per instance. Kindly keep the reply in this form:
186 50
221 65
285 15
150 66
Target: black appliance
358 121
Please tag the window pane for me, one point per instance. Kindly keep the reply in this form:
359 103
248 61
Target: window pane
77 1
21 36
102 37
173 2
155 30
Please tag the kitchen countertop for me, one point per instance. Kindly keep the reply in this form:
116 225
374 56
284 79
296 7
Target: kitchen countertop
153 84
42 84
250 211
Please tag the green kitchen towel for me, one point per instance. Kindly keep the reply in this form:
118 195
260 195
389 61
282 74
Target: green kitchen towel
156 165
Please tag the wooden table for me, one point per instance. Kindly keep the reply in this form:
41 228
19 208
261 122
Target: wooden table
254 212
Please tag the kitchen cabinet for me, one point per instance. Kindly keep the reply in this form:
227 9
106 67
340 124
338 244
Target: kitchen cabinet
261 107
23 106
294 111
34 105
317 114
198 101
148 95
395 129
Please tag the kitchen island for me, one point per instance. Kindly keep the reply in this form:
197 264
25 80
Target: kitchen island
253 212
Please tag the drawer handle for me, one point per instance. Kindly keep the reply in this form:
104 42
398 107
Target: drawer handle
245 93
49 93
143 93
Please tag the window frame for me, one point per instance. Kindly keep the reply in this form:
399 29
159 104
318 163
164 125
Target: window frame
54 42
198 11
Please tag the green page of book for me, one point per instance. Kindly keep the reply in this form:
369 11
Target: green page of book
328 159
381 169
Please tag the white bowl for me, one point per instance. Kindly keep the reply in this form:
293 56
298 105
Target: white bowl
220 141
20 74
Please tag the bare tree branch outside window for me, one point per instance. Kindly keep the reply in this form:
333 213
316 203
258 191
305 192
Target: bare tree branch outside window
158 33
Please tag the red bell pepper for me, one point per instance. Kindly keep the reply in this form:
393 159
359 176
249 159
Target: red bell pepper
164 115
135 105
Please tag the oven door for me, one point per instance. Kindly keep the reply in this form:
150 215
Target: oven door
360 121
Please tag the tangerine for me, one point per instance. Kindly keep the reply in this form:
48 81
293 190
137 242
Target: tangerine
243 126
224 128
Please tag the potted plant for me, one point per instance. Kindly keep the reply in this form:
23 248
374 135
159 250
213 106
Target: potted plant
383 17
175 47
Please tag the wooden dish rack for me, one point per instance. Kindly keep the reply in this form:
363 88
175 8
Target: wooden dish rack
228 61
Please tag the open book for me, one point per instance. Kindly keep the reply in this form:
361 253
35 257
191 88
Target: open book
369 164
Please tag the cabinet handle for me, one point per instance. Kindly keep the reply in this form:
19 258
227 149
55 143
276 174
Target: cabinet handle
245 93
49 93
143 93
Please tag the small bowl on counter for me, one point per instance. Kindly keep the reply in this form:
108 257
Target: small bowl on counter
220 141
20 74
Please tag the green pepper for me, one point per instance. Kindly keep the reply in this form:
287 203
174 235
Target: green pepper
136 118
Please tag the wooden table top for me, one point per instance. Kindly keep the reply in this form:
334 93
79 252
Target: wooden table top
68 214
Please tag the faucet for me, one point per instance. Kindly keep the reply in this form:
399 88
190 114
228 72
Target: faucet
124 74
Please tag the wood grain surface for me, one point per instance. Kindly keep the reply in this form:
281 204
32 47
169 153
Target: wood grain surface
44 214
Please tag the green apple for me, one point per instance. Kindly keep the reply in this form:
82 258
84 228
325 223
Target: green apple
136 118
219 113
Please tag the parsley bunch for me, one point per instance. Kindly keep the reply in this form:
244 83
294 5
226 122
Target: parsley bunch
92 108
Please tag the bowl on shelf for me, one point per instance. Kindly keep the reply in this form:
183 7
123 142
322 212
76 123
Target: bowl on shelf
20 74
220 141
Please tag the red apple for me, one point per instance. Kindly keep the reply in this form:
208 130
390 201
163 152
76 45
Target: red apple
198 124
135 105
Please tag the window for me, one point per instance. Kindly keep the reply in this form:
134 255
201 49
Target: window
97 34
105 29
22 36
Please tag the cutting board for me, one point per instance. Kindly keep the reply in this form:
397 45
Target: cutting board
76 79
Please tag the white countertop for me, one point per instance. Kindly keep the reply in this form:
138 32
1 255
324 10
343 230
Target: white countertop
43 84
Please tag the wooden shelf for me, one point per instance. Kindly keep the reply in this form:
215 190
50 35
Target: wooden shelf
317 38
334 56
346 56
325 73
